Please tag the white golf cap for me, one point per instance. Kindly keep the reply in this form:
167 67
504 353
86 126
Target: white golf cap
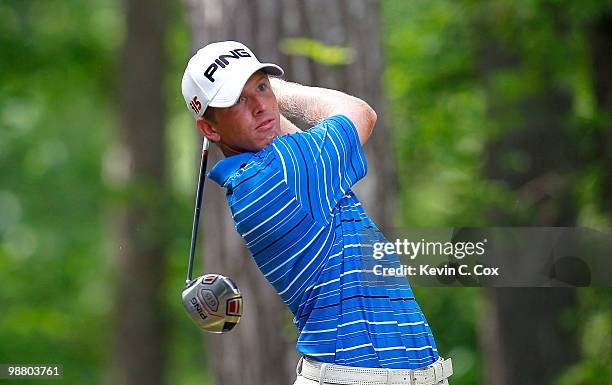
216 74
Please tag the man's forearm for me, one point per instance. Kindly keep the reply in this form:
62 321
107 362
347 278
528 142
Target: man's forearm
308 104
313 105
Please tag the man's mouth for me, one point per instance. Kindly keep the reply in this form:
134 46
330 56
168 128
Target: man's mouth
265 125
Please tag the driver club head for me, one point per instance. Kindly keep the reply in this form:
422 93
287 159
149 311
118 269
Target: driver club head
214 302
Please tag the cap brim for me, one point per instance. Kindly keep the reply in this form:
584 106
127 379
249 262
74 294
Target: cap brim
232 88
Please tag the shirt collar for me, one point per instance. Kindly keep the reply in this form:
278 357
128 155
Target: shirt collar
225 168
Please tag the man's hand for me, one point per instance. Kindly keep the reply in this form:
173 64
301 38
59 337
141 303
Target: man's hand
313 105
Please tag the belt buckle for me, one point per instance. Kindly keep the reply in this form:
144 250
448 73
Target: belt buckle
438 369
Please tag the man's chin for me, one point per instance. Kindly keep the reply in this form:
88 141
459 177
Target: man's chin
274 134
266 142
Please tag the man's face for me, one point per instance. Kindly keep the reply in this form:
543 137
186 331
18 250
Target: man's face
250 124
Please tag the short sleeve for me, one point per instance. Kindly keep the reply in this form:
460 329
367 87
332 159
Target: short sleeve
320 165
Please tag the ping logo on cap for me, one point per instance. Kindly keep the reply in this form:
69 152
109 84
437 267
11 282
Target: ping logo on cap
195 105
222 62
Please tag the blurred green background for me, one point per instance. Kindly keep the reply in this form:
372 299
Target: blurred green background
453 107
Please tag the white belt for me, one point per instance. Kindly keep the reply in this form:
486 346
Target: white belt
352 375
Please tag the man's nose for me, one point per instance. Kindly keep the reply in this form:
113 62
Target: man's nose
259 105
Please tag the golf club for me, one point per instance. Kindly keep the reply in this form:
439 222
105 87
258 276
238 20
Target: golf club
213 301
198 207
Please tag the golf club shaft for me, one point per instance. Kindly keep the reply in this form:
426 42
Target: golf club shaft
198 206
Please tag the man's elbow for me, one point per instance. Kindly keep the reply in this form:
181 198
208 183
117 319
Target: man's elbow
363 117
369 119
371 116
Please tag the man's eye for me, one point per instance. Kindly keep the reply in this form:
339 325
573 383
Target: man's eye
241 99
262 87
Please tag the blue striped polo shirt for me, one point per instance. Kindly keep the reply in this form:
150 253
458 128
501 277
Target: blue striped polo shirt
292 204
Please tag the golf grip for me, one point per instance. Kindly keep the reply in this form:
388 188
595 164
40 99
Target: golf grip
198 206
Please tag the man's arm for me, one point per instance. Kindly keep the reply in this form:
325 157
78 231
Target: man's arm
287 127
313 105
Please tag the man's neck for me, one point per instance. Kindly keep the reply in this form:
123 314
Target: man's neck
229 151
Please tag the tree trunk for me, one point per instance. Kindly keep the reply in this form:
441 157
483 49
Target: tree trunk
261 349
353 24
138 351
602 81
523 340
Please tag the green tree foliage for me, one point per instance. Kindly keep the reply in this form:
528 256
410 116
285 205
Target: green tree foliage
58 67
58 190
447 109
56 88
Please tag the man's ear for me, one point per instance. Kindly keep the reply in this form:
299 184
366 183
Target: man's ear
207 130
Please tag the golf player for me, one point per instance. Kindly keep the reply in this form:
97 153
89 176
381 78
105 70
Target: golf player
289 192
